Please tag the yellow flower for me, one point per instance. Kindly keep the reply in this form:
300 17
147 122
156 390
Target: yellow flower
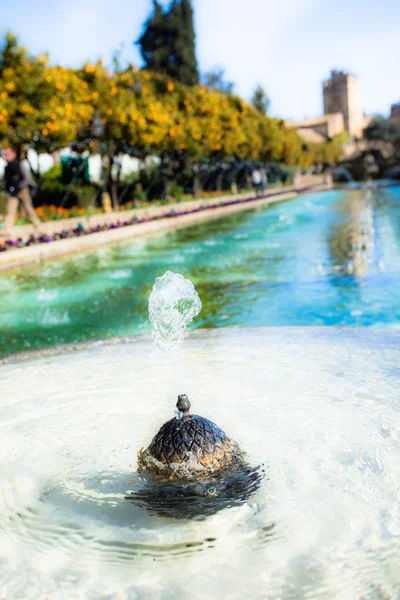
170 86
90 68
53 116
10 86
113 91
45 132
4 94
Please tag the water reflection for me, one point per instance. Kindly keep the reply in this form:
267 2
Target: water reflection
196 499
323 259
352 238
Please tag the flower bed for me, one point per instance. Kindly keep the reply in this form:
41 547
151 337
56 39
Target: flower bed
80 230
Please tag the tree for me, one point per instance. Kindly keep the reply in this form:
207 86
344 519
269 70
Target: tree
39 105
167 43
383 130
186 55
215 80
260 100
12 54
49 107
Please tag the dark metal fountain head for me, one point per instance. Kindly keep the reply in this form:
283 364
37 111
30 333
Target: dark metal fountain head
183 405
190 446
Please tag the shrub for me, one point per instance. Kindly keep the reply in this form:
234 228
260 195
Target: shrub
176 191
56 193
140 195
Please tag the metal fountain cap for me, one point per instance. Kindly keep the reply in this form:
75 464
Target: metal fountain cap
183 405
189 446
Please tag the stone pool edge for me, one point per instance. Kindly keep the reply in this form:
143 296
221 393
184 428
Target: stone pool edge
40 253
334 333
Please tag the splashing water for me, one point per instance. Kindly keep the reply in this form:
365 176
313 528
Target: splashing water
173 303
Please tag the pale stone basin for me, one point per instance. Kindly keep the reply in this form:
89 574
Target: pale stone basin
318 408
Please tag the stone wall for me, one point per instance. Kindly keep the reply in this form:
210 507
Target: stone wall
327 125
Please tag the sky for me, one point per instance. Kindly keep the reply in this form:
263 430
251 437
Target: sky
287 46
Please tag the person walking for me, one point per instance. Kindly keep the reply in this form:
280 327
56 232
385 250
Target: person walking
256 179
264 180
16 185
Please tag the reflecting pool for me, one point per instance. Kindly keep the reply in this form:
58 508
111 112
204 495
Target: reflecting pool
330 258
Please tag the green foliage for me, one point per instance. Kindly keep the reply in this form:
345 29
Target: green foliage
12 54
142 113
215 80
383 130
176 191
140 195
187 71
167 43
54 192
53 174
260 100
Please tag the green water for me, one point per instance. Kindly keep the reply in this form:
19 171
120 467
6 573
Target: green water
292 263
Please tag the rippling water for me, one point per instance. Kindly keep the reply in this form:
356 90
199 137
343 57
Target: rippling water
318 409
330 258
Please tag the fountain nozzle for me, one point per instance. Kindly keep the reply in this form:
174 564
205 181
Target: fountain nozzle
189 446
183 405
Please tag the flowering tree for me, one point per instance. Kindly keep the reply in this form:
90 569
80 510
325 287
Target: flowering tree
49 107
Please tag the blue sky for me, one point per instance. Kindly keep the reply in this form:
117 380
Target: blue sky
288 46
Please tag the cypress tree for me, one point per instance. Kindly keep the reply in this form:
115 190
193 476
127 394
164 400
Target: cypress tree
153 42
168 42
188 69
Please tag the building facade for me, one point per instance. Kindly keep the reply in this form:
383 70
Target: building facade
341 94
320 128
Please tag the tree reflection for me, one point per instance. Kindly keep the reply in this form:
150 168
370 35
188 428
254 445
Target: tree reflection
351 240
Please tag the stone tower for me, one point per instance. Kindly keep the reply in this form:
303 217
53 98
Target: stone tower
342 95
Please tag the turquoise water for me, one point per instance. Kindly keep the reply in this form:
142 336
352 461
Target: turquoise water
328 258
